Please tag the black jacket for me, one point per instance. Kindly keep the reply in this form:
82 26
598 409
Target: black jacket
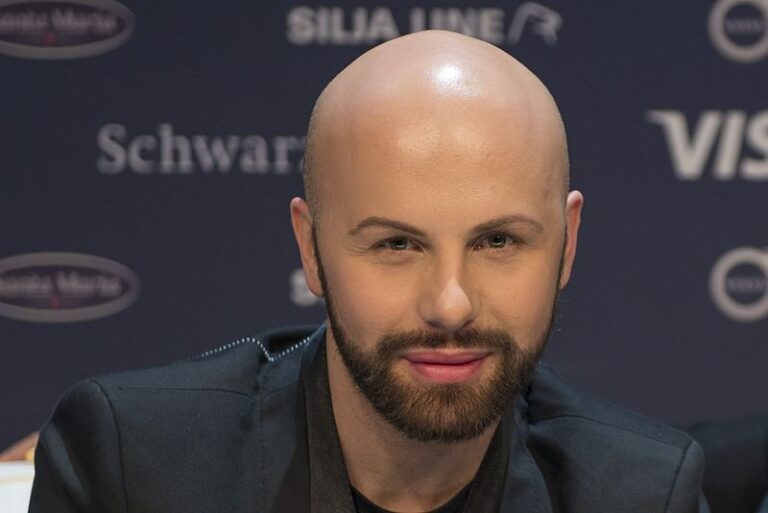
227 432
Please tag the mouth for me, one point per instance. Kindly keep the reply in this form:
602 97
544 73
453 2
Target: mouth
443 367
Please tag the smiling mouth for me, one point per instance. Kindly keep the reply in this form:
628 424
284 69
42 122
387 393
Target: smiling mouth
443 367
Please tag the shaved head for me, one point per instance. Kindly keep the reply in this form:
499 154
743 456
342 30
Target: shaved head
437 219
427 92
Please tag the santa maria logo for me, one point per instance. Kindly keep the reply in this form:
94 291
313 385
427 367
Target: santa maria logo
64 287
62 30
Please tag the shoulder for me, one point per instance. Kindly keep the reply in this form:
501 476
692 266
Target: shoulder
151 428
226 380
595 447
553 401
246 366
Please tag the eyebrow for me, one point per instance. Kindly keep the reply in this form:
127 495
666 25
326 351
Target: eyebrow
494 224
383 222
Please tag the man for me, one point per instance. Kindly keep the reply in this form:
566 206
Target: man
439 227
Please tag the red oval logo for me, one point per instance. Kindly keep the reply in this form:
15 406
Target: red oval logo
63 30
64 287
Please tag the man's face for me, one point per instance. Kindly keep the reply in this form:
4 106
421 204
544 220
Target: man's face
439 248
449 407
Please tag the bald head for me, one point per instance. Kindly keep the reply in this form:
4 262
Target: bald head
428 94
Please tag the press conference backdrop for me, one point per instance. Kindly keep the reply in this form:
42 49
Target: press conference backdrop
148 152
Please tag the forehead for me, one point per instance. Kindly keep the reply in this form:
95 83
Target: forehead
431 162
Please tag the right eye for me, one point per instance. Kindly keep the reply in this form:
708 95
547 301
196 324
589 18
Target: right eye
396 244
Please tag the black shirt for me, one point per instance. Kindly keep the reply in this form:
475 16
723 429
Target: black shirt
455 505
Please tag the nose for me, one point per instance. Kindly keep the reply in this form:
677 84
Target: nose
448 304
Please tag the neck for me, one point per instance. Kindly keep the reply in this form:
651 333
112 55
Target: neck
395 472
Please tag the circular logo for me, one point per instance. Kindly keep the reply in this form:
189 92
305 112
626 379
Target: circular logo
739 284
739 29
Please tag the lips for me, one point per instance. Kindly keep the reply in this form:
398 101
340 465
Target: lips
446 366
445 357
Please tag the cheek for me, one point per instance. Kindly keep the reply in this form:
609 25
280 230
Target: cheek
369 301
521 300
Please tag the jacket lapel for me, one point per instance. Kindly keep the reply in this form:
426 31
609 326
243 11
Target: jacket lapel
285 484
525 488
329 488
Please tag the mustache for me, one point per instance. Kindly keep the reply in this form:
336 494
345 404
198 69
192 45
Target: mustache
464 339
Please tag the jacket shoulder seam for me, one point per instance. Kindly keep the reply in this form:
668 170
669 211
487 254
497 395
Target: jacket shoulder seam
185 389
612 425
270 356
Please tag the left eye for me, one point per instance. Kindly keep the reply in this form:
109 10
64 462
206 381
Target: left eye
495 241
396 244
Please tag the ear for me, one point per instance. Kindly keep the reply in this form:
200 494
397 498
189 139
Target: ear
301 219
573 205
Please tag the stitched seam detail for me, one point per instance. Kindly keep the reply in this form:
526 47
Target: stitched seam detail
271 357
677 476
119 442
274 357
225 347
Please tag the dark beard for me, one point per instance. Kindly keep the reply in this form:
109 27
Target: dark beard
447 413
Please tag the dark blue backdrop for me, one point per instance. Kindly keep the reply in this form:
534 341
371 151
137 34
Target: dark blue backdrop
167 138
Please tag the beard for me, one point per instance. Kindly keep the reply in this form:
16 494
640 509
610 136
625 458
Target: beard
434 412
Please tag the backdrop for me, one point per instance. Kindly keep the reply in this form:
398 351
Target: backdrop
148 152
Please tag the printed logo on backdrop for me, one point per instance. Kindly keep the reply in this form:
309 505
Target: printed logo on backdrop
739 29
723 145
739 284
64 287
68 29
339 26
166 151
